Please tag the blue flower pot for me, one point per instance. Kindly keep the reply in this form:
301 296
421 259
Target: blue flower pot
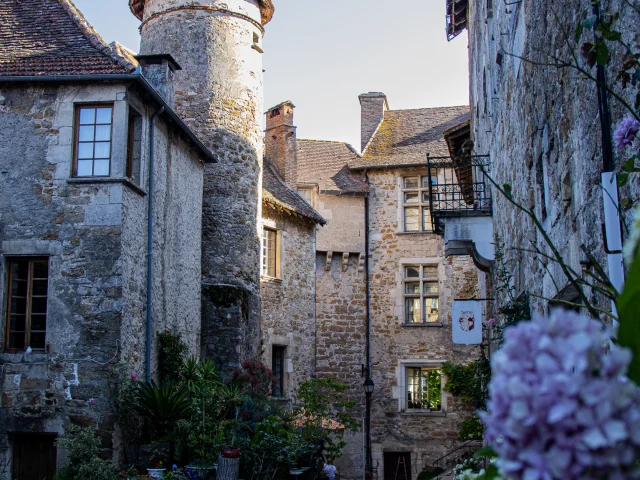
199 473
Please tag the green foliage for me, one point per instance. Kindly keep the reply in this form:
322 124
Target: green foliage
162 405
254 378
323 402
469 382
430 472
471 429
628 306
84 461
172 352
122 390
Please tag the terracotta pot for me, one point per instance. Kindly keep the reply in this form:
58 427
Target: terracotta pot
231 452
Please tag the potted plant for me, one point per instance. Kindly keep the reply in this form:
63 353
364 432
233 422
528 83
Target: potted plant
157 458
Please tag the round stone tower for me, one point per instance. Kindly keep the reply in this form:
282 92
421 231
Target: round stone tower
219 94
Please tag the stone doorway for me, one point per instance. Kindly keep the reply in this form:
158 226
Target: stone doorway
34 456
397 466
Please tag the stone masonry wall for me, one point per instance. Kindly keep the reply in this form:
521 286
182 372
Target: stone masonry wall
396 346
541 127
219 94
288 302
92 231
341 307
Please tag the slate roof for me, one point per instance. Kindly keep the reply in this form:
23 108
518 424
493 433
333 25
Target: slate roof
51 37
280 195
326 164
404 137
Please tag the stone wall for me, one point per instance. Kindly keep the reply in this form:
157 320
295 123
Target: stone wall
94 233
396 346
288 302
219 94
541 127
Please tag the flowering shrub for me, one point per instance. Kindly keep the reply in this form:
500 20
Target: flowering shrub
561 406
255 378
625 134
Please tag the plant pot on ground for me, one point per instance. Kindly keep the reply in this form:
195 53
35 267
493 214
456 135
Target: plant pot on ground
199 472
156 472
231 452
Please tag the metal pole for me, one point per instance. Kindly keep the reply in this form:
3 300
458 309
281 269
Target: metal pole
367 422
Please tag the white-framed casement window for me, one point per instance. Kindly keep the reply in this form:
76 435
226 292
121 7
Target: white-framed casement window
415 203
423 389
271 240
92 143
421 294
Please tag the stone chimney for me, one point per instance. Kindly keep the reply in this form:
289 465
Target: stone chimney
281 148
372 108
158 71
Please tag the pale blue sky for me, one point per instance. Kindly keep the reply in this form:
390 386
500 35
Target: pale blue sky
322 54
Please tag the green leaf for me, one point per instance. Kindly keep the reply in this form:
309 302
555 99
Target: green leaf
589 22
507 189
490 473
612 35
579 30
602 53
623 178
626 203
628 314
629 165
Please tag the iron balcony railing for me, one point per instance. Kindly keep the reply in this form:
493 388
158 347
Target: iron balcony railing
458 188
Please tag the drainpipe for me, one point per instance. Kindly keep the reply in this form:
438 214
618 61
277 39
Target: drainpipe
152 135
612 227
367 419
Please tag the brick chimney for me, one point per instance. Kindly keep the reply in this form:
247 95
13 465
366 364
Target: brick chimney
158 71
281 148
372 108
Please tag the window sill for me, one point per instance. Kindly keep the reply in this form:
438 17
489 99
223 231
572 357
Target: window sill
19 359
106 180
423 413
429 232
413 325
267 278
257 48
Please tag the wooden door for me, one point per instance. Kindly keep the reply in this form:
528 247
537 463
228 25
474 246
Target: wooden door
34 456
397 466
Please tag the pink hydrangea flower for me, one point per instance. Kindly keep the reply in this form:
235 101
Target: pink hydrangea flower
133 376
92 401
561 406
626 132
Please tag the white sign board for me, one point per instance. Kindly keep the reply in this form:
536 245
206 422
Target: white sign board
467 322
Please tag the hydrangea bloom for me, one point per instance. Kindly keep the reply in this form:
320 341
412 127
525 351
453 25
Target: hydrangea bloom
626 131
561 406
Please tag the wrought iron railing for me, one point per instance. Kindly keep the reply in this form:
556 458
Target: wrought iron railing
457 455
458 188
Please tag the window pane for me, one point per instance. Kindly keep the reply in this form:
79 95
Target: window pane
412 288
17 323
434 390
38 323
85 134
101 168
411 182
431 288
425 181
414 386
20 270
431 271
85 150
37 340
412 219
41 270
431 309
16 340
426 219
19 305
103 132
103 115
19 288
85 168
103 150
411 272
38 305
412 307
40 287
269 252
87 116
412 197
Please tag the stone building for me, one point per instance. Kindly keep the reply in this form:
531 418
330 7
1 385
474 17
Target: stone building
219 93
547 133
411 283
81 130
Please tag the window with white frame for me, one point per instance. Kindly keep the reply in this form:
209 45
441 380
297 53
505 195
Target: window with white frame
423 389
415 203
270 252
421 294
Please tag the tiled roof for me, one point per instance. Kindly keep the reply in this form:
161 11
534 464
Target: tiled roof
51 37
405 137
277 193
326 163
